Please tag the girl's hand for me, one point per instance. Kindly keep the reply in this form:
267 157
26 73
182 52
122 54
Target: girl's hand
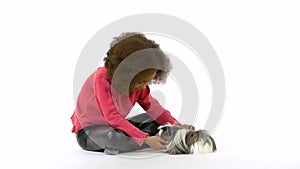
155 142
189 127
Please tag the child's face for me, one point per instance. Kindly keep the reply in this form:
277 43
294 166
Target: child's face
142 80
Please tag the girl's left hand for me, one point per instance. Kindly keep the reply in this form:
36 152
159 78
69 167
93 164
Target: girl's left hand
185 126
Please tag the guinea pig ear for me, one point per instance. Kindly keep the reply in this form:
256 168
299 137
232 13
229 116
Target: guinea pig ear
191 137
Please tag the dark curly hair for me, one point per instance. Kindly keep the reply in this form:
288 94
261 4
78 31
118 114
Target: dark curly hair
145 51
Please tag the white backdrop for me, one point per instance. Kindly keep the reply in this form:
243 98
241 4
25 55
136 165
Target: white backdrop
257 43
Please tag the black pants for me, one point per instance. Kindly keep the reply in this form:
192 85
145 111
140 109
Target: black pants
103 138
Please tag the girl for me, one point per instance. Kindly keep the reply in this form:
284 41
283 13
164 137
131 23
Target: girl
108 95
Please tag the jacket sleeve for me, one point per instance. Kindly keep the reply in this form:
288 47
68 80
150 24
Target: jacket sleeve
111 115
154 109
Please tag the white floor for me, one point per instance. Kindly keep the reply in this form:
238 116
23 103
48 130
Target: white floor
234 152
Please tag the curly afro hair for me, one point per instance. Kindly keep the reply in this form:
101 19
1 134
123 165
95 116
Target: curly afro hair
146 51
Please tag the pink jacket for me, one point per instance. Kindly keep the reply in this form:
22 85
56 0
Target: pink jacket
99 103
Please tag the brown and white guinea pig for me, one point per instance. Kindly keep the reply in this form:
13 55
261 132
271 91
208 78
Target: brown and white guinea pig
184 141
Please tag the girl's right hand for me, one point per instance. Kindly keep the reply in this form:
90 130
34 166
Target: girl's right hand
155 142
